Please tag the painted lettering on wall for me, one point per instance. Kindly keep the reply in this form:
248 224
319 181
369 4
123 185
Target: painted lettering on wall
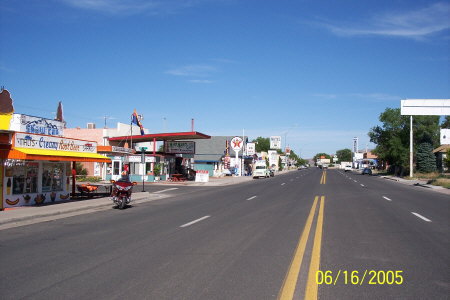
53 143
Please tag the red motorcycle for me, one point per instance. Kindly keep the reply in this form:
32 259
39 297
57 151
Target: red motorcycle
121 193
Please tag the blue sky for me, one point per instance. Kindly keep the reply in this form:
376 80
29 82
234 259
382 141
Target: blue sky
317 72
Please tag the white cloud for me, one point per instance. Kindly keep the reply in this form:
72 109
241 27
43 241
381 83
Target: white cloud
129 7
201 81
193 70
359 96
415 24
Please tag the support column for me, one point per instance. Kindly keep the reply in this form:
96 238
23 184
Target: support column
74 173
411 173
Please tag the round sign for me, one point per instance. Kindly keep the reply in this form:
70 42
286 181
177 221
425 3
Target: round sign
237 143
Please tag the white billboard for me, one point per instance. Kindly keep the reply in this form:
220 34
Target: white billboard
425 107
275 142
251 148
445 136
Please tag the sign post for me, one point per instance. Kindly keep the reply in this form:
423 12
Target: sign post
143 165
236 144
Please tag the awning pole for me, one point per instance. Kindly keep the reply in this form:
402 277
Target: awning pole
74 173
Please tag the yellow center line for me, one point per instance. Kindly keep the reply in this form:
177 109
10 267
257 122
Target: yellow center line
311 285
288 288
323 180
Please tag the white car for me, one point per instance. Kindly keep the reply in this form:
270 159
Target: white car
347 168
261 171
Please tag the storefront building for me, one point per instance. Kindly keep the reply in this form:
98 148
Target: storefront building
37 168
150 165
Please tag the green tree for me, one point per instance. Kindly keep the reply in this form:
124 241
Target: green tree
80 169
426 130
262 144
392 137
426 160
344 155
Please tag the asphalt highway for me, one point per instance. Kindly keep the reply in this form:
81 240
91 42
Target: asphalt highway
360 237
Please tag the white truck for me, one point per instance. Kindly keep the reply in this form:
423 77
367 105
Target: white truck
260 169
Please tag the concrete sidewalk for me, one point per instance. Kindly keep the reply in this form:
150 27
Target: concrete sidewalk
420 183
26 215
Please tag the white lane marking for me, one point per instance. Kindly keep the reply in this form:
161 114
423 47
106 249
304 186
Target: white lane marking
253 197
355 181
362 184
387 198
166 190
422 217
283 183
195 221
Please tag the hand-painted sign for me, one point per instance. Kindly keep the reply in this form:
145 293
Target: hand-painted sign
45 142
36 125
175 147
237 143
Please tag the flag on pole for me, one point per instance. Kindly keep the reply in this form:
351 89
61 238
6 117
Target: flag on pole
135 120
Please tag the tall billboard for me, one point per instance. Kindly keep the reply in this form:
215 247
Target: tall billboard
275 142
425 107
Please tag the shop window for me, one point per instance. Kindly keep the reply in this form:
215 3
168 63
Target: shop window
24 177
52 177
116 168
134 168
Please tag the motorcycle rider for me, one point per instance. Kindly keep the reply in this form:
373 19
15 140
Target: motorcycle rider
124 180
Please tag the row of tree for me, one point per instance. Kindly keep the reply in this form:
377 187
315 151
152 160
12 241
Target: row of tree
392 140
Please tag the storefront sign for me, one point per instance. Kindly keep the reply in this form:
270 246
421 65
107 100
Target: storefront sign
137 159
179 147
121 150
30 124
45 142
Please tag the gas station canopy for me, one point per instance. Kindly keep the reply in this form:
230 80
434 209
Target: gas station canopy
192 135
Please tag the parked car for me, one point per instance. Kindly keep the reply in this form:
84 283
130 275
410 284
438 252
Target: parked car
367 171
260 170
347 168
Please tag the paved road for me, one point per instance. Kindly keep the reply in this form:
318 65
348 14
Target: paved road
257 240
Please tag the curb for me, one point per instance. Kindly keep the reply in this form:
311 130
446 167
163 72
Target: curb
100 202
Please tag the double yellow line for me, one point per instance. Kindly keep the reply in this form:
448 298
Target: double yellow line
323 180
288 289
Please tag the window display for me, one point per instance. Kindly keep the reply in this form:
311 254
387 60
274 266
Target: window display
52 177
24 177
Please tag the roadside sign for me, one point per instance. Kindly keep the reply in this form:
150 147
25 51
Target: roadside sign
251 148
275 142
237 143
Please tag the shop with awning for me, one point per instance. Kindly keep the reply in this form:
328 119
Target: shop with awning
37 168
